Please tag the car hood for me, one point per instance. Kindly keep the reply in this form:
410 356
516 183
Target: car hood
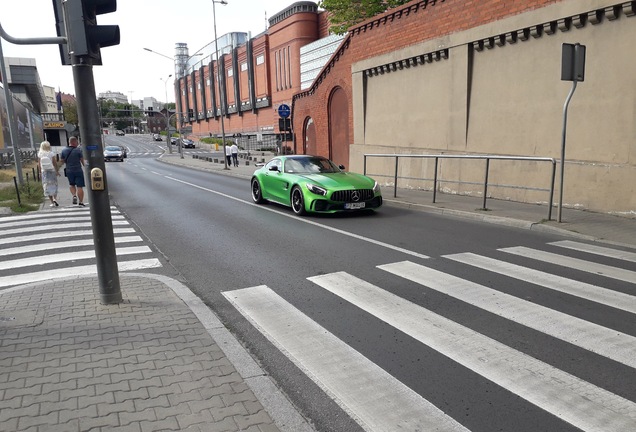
342 180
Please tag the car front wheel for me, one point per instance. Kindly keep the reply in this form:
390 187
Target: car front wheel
257 194
297 201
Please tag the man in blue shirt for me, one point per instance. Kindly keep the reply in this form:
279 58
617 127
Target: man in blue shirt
74 160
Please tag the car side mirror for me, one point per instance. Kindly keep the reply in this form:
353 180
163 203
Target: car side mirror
342 167
273 168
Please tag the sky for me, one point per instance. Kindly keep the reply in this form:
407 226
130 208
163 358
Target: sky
153 24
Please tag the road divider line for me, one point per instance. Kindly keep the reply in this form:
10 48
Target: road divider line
336 230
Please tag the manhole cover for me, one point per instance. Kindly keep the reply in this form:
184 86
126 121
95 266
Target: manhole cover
21 318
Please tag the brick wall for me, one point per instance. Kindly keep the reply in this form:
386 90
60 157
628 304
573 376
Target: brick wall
397 28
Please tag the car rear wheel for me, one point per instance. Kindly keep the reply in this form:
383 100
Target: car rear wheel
257 194
297 201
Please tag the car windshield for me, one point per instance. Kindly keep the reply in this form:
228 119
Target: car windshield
111 148
310 165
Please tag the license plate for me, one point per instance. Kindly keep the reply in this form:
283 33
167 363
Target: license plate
353 206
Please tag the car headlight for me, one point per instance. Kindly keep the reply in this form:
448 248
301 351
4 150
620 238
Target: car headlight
316 189
376 188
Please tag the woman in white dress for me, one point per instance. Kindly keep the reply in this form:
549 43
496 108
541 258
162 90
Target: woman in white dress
50 172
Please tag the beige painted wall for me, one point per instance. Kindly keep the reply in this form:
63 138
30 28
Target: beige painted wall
508 100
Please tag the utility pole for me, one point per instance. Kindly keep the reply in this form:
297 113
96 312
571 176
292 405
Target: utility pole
76 21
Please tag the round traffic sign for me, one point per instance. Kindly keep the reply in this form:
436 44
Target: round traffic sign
284 111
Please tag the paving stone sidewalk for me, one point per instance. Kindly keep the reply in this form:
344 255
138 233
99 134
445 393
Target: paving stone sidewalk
70 363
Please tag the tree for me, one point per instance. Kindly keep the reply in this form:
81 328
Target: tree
70 112
346 13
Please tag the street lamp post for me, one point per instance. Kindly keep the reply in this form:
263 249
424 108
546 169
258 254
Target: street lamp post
177 76
165 86
218 79
167 127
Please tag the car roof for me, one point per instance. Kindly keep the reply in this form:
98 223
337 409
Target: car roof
302 157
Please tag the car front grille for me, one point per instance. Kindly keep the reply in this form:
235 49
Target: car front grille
354 195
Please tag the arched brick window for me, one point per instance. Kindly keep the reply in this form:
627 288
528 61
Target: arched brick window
309 137
339 127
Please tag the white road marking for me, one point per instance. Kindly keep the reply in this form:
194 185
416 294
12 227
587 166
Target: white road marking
57 211
60 234
609 343
375 399
583 290
53 220
62 245
336 230
598 250
60 226
67 257
588 407
25 278
575 263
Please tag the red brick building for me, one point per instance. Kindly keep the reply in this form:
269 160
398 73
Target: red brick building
256 78
460 77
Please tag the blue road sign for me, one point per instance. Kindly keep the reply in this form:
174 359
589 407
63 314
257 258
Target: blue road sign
284 111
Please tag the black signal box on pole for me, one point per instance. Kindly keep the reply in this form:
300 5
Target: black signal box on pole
573 62
85 37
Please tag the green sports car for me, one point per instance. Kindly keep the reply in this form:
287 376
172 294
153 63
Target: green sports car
313 184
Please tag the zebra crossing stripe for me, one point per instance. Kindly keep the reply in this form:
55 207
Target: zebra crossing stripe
583 290
586 406
58 211
575 263
609 343
52 221
595 249
60 234
70 256
375 399
65 244
47 227
6 281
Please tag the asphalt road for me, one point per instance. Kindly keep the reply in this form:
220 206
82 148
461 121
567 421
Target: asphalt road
246 261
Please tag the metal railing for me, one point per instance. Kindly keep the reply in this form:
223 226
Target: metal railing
487 158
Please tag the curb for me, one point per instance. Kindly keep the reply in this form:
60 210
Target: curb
283 413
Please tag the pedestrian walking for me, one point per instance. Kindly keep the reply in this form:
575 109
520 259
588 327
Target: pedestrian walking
74 171
234 151
50 171
228 154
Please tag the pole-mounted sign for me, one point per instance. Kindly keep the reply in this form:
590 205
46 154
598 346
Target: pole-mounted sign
572 69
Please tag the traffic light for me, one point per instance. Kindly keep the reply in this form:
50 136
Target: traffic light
60 26
85 37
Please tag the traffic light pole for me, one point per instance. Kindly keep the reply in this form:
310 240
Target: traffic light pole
90 130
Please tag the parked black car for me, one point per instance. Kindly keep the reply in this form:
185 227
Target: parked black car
187 143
